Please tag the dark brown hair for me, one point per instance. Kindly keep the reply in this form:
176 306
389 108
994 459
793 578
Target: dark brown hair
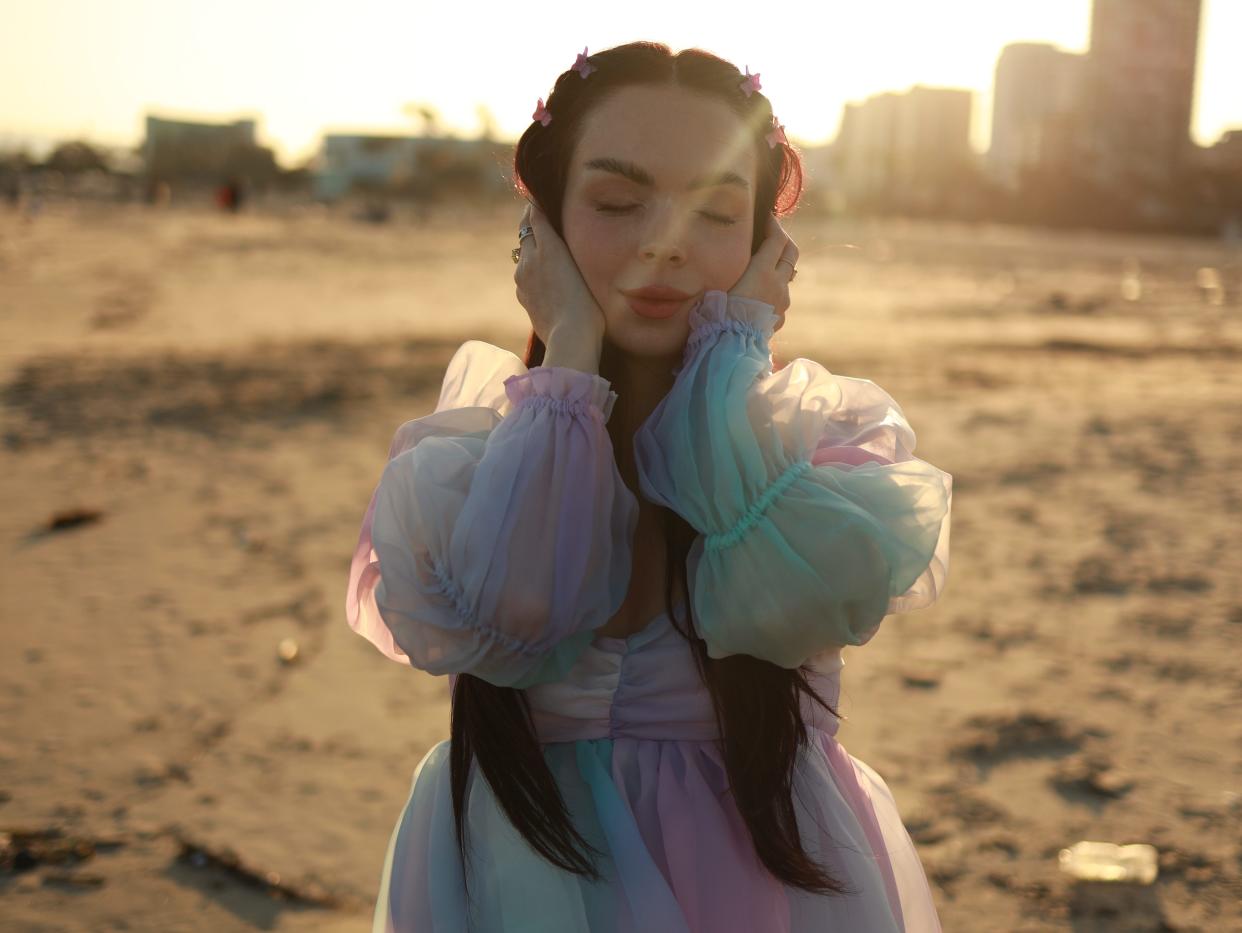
757 703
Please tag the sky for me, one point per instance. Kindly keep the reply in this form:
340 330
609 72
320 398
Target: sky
92 70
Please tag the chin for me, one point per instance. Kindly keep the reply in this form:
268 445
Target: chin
643 337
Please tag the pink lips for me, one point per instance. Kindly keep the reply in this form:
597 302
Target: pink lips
656 301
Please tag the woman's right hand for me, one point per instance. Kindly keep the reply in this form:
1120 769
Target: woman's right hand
552 290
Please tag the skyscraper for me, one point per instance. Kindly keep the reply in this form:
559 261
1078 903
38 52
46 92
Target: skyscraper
1037 95
905 149
1139 91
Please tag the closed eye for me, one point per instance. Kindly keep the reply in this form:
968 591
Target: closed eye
615 208
619 209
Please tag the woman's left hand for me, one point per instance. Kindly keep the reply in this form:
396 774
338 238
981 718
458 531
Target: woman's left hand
770 271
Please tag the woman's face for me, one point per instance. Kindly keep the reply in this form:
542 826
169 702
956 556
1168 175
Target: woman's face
661 191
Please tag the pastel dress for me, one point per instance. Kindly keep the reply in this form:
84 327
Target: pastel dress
499 539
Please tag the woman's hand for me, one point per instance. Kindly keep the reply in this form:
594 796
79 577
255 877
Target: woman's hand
770 271
551 289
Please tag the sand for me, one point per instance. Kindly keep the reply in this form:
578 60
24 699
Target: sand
216 395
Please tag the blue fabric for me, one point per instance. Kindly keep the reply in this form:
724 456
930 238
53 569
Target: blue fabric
653 905
792 558
505 535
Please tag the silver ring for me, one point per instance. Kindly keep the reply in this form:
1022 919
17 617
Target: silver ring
791 266
523 232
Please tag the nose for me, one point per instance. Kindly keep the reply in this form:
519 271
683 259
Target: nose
663 239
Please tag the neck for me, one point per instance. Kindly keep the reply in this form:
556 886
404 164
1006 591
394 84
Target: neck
641 382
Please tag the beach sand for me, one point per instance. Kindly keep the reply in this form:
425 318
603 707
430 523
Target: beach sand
215 396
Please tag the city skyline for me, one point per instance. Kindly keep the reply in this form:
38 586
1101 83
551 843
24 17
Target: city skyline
138 58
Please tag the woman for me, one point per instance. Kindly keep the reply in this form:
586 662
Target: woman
639 551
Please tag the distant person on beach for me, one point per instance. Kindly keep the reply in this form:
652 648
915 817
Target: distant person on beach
229 196
29 200
638 551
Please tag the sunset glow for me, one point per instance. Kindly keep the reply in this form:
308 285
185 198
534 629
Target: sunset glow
306 68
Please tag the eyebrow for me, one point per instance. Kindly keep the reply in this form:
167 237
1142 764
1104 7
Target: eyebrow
641 176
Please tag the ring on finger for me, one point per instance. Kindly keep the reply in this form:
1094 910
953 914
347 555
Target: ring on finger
793 270
523 232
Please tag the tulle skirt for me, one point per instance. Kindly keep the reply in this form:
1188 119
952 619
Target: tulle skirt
677 856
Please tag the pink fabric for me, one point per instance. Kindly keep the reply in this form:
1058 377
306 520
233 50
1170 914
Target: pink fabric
674 791
644 693
847 779
464 492
506 541
852 456
681 856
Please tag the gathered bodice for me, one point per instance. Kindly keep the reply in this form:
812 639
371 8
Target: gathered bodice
647 686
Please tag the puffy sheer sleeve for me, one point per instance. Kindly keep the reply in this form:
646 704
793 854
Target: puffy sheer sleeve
815 518
499 535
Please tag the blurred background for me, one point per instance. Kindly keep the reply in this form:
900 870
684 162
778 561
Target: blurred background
240 242
1119 115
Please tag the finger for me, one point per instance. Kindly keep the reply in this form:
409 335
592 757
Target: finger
537 218
530 242
522 252
770 251
546 238
788 260
788 263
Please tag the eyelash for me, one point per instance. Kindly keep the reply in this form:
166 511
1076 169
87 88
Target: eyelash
624 208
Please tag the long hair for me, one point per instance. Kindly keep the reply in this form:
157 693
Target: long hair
757 703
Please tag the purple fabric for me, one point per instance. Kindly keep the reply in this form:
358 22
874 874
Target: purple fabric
629 737
444 576
504 532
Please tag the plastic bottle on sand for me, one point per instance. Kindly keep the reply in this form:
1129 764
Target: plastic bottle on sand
1106 861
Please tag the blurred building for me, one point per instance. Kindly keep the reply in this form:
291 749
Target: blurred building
1225 155
347 161
822 191
905 150
420 167
932 140
207 153
1219 185
864 147
1036 107
1139 92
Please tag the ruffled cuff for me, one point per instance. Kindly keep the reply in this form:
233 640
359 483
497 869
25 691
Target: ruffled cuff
719 312
565 388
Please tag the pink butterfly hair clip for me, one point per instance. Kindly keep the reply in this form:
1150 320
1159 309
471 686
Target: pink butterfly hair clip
541 114
777 135
582 65
751 84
